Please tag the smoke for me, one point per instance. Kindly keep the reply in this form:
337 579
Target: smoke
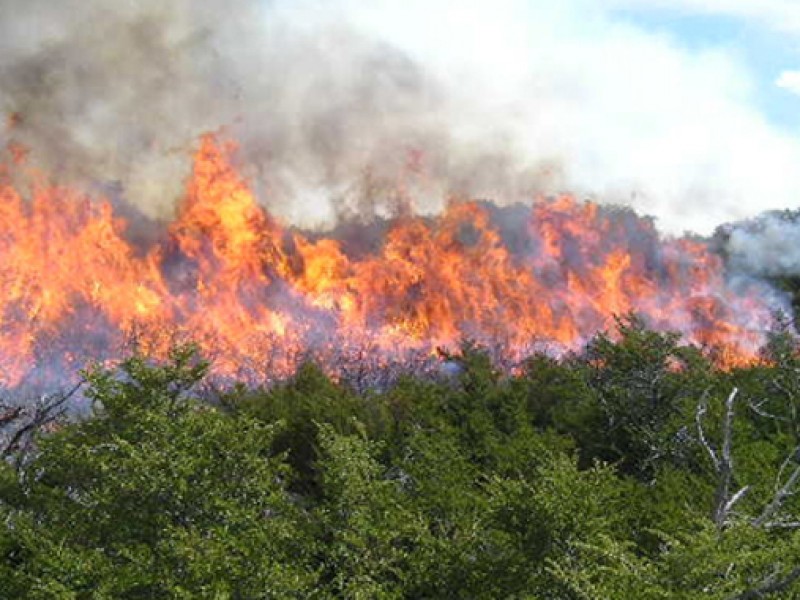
768 246
118 93
345 106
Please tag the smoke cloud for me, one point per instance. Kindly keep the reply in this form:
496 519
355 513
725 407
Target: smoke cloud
350 106
768 246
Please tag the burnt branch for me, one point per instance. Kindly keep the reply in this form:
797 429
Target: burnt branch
19 424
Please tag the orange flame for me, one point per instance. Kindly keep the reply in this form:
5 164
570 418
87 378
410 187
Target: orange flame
255 296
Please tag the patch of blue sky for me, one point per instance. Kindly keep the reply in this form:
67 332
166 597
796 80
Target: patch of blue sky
765 53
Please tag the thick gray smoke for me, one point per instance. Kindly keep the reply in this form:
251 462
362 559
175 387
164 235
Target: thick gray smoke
344 104
115 94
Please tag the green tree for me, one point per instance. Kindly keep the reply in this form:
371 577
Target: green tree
646 386
370 532
155 496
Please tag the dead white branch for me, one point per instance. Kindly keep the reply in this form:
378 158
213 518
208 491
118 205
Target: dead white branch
702 408
722 462
783 493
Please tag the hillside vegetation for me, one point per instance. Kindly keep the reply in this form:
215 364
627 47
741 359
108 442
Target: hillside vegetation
635 469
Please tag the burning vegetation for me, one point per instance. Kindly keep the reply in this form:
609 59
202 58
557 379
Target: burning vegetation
259 298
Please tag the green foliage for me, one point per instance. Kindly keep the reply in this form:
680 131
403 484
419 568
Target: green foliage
646 385
592 476
370 529
157 495
300 405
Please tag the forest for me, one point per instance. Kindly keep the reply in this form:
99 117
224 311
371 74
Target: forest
635 468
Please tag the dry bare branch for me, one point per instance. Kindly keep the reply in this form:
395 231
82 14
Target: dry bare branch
702 408
722 462
782 493
722 499
771 585
21 422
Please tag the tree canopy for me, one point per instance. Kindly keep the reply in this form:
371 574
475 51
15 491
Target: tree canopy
635 469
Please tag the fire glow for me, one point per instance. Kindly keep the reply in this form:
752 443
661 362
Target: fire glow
256 296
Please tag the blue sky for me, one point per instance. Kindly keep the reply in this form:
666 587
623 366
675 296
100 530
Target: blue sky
767 52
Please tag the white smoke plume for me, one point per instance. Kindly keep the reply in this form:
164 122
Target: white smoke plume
768 246
504 99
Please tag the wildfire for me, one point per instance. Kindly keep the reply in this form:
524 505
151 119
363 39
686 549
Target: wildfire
257 296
